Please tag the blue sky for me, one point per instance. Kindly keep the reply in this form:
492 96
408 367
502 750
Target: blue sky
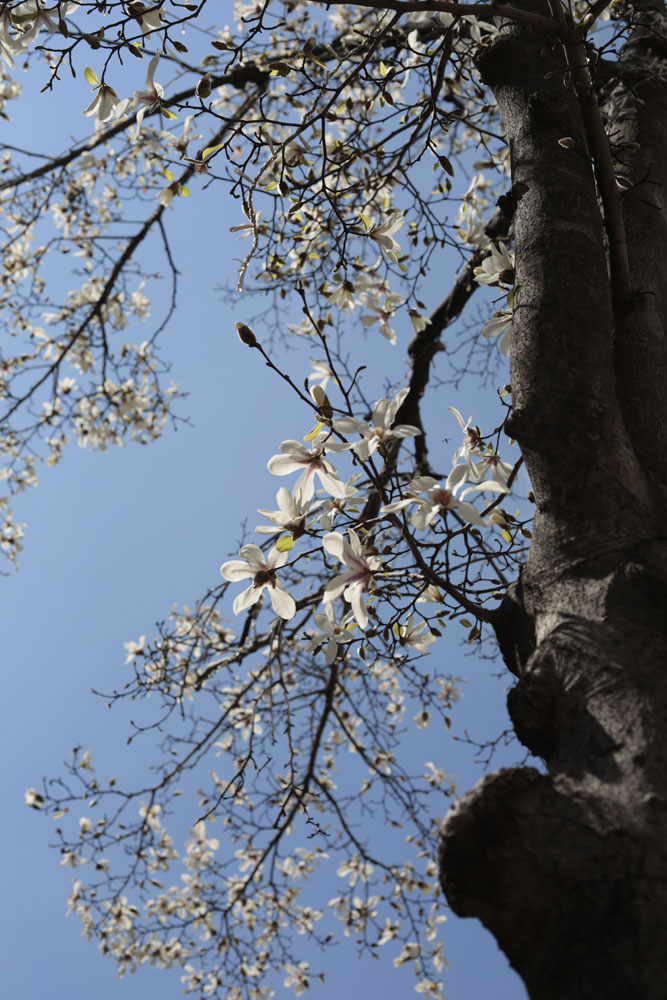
113 541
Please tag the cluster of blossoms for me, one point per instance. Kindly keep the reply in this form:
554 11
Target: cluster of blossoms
300 516
351 578
497 269
372 291
106 103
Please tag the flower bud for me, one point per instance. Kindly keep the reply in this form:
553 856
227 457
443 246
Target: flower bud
203 88
246 336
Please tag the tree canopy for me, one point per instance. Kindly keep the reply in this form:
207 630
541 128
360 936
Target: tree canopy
370 153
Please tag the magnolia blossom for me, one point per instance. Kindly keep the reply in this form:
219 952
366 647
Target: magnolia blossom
500 323
472 438
291 515
297 976
342 296
187 136
328 510
438 500
103 104
384 234
493 466
430 595
10 44
313 463
414 634
379 432
334 633
383 308
151 20
321 371
262 571
498 267
371 280
361 563
418 321
42 17
145 100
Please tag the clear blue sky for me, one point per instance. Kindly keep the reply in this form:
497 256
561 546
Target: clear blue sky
112 542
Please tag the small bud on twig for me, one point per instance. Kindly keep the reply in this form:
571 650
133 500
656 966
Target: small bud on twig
246 336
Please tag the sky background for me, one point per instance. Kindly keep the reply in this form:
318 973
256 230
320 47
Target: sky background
114 540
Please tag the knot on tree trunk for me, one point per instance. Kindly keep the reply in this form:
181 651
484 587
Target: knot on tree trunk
569 870
564 885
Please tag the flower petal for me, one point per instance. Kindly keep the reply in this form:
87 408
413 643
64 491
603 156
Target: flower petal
235 570
283 603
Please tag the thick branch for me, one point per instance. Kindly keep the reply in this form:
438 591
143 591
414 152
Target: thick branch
565 410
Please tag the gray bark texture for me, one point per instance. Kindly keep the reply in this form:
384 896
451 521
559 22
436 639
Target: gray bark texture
568 869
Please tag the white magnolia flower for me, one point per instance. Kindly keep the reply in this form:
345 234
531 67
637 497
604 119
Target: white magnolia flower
103 104
151 20
187 136
33 798
500 323
437 500
145 100
471 438
382 308
296 456
333 633
328 510
11 44
297 976
167 194
430 595
342 296
361 563
493 466
42 17
383 234
418 321
291 515
320 371
262 571
497 268
371 280
414 634
379 432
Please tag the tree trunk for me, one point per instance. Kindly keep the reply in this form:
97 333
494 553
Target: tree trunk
568 869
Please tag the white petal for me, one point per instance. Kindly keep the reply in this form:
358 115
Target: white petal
283 603
335 545
332 484
350 425
276 559
354 596
332 652
456 414
246 599
235 570
282 465
468 513
254 556
456 477
335 587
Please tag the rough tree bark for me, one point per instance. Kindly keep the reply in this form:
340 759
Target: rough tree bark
568 869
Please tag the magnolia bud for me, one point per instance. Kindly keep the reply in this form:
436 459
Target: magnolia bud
321 400
203 88
246 336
